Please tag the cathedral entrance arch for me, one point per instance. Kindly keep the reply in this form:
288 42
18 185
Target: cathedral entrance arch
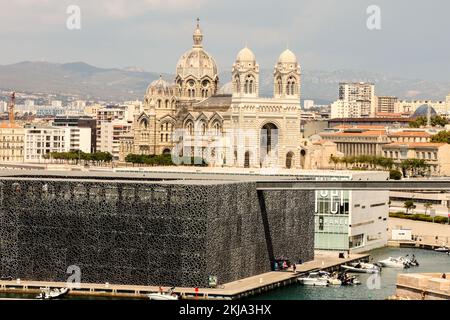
167 151
269 144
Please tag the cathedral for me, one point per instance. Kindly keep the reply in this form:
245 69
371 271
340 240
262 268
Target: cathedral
228 126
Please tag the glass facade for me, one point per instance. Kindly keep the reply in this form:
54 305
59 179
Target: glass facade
331 219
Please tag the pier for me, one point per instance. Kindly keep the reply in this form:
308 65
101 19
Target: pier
230 291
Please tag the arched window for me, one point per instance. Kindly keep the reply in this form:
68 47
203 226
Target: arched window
167 104
162 137
167 137
217 128
237 89
203 128
159 103
279 86
190 128
251 86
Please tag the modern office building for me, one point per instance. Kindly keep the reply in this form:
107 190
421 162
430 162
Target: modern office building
81 122
350 220
42 140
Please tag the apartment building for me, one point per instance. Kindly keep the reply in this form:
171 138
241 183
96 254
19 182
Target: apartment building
361 93
386 104
11 143
41 140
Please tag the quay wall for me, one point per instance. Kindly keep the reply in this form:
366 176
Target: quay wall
140 233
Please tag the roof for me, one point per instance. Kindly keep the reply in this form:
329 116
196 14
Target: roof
217 101
356 133
414 145
421 134
366 127
388 119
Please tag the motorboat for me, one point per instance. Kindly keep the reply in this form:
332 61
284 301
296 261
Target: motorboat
443 249
168 295
315 279
347 280
409 262
47 293
393 263
361 267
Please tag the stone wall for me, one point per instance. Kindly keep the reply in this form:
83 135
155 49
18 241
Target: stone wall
148 233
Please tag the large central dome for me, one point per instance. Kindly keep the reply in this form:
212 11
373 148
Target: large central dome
197 71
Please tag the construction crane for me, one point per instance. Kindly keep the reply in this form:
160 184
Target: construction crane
12 103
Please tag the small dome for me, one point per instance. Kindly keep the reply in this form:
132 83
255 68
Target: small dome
160 87
287 57
422 111
245 55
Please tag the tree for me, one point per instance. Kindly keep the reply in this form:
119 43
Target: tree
395 175
409 205
427 207
441 137
436 121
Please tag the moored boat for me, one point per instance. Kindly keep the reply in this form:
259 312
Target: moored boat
47 293
361 267
443 249
315 279
167 295
392 263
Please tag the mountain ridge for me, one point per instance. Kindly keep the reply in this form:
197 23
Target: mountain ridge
129 83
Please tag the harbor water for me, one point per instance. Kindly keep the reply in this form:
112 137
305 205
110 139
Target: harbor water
371 288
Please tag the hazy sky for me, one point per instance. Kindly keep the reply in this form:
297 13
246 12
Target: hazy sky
152 34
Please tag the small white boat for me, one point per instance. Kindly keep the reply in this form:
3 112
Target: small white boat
168 295
361 267
47 293
443 249
392 263
315 279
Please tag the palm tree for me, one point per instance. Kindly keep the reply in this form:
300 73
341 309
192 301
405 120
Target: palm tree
427 206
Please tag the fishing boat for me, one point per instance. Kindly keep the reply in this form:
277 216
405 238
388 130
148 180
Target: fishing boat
47 293
315 279
361 267
392 263
168 295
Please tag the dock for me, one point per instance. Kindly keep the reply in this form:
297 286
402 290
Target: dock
230 291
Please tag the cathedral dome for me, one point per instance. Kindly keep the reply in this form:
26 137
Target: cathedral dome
245 55
160 87
287 56
197 62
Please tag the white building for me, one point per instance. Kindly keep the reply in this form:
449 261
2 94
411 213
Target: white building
3 106
308 104
350 220
56 104
41 140
405 106
345 109
361 93
29 103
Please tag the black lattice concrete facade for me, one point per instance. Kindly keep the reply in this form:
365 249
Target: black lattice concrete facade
143 233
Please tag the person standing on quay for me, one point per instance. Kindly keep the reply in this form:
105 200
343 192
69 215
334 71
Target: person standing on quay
294 267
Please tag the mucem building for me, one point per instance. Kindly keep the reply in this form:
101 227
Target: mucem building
173 232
